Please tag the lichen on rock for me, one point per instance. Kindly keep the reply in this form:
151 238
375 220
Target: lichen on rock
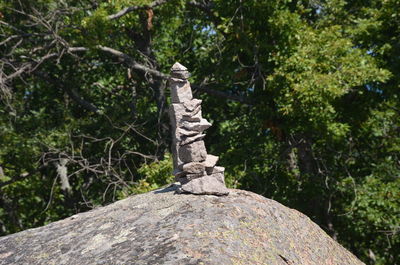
163 227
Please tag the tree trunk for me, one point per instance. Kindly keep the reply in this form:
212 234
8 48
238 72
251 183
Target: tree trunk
143 44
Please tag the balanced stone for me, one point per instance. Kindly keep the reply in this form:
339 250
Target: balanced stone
200 126
191 176
211 161
180 90
193 167
191 139
179 71
176 112
192 117
194 152
215 170
184 132
193 104
208 184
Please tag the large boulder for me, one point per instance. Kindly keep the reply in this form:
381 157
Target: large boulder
163 227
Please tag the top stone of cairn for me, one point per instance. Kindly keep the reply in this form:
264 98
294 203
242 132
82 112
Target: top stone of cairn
179 71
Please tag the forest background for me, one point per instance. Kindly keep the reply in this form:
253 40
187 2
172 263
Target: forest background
303 97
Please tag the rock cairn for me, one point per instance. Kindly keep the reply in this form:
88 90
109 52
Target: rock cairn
193 167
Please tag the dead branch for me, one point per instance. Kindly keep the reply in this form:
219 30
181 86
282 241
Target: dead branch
129 9
132 63
22 176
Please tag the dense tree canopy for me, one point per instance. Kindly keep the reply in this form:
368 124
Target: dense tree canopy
303 95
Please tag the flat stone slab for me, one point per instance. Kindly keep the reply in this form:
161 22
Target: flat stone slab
192 104
211 161
200 126
195 116
191 139
214 170
208 184
194 168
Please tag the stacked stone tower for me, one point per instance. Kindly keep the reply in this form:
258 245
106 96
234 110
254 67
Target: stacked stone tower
193 167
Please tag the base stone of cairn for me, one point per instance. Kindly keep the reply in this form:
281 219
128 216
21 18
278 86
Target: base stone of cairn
193 167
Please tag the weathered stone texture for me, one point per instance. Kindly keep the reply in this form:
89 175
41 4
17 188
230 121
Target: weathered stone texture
200 126
179 71
180 90
191 139
194 152
215 170
166 228
211 161
194 168
206 184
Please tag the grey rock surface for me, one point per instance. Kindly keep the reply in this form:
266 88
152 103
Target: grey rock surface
163 227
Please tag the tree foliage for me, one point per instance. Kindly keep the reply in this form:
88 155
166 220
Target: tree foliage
303 96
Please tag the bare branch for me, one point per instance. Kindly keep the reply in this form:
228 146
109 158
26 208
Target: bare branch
221 94
207 8
14 179
132 63
72 93
75 96
19 177
129 9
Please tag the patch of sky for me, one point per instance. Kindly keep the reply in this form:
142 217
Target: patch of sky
370 87
27 94
207 29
